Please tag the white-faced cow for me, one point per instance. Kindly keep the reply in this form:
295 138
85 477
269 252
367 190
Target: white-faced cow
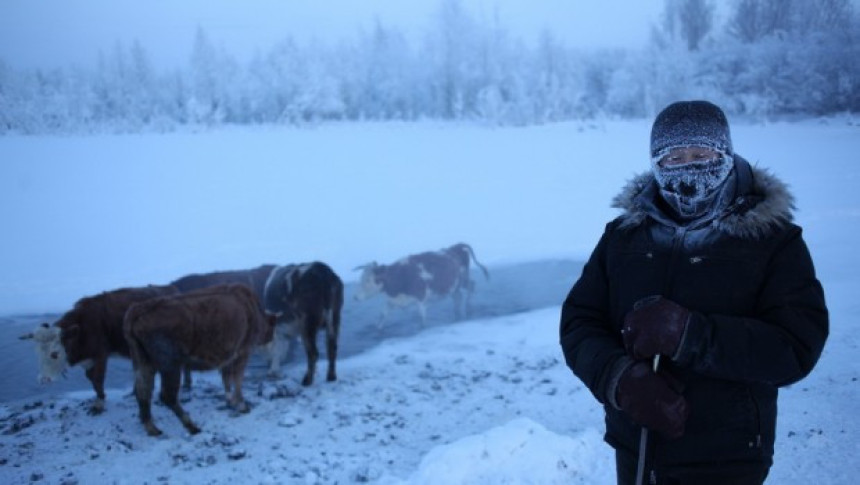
418 278
309 297
211 328
49 350
88 334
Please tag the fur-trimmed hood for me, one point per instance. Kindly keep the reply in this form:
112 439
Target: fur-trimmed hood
762 204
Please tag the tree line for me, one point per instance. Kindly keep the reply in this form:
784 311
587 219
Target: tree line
765 59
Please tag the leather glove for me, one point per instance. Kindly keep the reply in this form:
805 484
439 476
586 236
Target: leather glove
654 326
650 400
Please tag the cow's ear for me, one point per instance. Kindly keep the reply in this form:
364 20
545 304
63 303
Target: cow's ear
28 336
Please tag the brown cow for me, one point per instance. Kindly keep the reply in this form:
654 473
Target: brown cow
211 328
88 334
309 297
417 278
256 279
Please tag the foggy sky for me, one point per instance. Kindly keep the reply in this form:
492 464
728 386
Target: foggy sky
58 33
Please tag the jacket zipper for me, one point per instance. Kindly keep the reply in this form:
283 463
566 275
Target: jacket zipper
754 400
674 258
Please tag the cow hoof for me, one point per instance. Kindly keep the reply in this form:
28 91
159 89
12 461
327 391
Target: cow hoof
96 409
192 428
307 381
239 406
273 374
151 430
331 378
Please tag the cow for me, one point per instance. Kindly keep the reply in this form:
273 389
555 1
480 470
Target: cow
211 328
417 278
88 334
309 297
254 278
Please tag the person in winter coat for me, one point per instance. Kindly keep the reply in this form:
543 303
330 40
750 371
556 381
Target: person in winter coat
704 278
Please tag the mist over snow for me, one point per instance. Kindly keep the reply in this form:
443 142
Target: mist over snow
484 401
86 214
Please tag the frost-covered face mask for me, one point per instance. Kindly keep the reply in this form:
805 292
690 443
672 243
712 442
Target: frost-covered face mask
690 178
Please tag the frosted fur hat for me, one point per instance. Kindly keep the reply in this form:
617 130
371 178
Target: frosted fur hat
690 123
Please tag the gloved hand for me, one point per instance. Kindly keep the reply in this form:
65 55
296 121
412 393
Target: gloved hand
654 326
649 399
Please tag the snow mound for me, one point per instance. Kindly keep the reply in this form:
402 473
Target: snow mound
519 452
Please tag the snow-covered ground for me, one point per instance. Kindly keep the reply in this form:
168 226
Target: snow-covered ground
484 401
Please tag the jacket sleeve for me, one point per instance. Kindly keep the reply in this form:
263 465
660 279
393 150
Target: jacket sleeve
592 347
782 342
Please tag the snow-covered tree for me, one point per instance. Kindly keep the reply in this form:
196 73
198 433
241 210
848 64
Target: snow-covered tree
687 21
213 75
771 58
378 80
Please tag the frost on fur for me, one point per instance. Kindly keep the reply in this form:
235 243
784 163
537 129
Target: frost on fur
690 188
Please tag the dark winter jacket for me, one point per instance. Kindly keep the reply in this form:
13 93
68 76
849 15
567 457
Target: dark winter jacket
759 319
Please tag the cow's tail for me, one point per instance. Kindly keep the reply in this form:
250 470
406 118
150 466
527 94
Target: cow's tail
336 303
136 351
332 301
475 259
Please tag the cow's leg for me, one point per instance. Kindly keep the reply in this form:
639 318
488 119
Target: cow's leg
470 290
309 339
170 380
235 373
274 350
332 329
422 311
96 374
227 382
186 378
380 324
144 380
458 304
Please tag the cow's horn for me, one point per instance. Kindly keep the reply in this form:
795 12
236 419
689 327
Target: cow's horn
365 266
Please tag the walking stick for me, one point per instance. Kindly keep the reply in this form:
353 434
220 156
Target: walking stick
643 439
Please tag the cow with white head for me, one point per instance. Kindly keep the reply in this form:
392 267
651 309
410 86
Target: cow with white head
49 350
88 334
